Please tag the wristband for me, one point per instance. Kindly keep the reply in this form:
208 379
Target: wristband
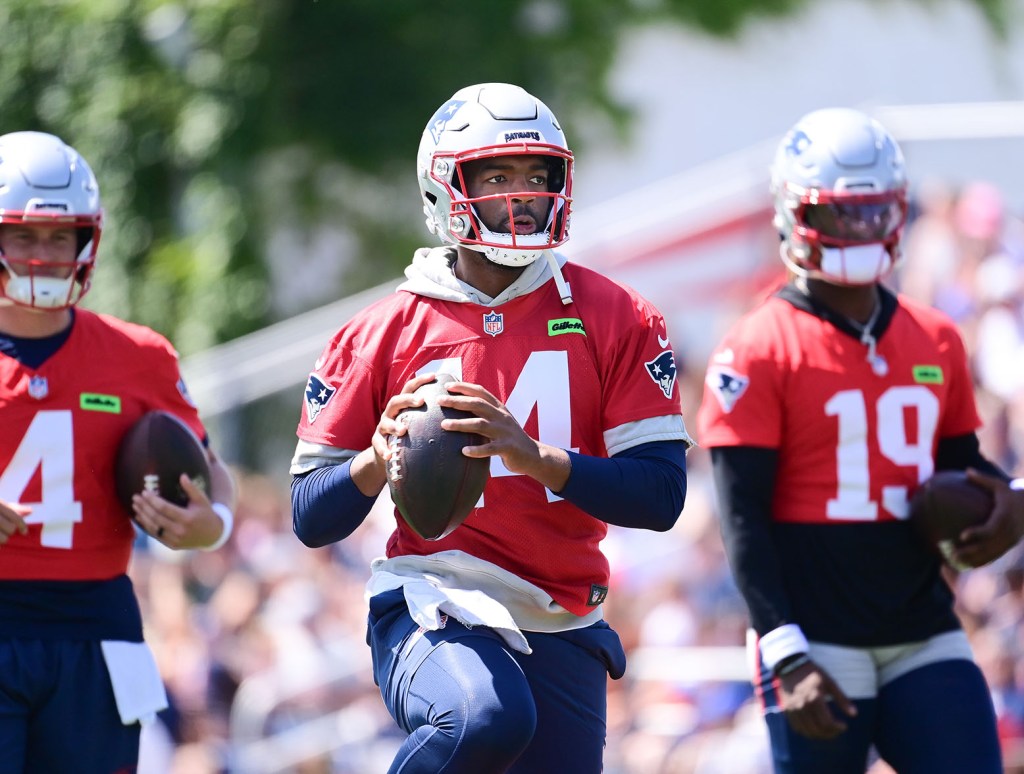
792 665
228 519
785 641
1017 483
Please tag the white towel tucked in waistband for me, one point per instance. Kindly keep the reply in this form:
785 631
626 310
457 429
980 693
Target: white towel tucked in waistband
138 689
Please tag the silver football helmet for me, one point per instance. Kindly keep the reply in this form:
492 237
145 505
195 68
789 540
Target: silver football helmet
483 121
839 186
44 182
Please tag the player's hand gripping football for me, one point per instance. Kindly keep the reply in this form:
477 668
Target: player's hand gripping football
194 526
505 436
369 473
985 543
807 695
12 519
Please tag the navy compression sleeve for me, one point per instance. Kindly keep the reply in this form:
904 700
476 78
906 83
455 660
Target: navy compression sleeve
327 505
643 487
744 483
964 451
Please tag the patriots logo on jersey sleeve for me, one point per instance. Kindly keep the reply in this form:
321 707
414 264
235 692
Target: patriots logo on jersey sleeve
183 391
663 371
318 395
727 385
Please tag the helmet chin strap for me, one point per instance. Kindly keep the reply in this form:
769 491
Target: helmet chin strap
563 287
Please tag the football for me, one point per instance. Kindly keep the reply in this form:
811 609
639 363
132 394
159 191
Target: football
153 454
945 505
433 485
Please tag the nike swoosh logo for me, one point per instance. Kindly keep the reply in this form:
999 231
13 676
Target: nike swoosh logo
662 342
725 356
319 362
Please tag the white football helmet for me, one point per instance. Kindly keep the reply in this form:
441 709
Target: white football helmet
839 185
44 182
483 121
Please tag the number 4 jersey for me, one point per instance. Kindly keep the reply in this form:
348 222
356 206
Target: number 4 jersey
597 376
856 431
61 426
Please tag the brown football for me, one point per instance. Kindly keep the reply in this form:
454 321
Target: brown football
945 505
153 454
432 483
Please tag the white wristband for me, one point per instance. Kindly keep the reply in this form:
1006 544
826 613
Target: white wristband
1017 483
228 519
780 643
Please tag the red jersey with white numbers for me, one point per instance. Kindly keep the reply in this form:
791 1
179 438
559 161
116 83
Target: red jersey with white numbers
852 442
567 373
854 432
61 426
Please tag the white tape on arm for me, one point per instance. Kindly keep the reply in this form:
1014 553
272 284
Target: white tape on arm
787 640
228 518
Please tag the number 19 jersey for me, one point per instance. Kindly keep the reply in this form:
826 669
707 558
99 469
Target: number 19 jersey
855 432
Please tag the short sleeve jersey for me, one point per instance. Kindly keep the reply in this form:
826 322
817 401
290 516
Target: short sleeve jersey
853 442
62 424
568 374
854 436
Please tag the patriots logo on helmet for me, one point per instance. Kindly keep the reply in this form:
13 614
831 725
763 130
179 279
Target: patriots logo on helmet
798 142
727 386
443 116
318 395
663 371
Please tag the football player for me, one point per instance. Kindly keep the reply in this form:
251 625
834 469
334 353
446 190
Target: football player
824 408
489 645
77 678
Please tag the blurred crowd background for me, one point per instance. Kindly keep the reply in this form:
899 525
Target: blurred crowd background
262 643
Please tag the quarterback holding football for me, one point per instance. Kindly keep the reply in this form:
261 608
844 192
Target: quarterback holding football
489 643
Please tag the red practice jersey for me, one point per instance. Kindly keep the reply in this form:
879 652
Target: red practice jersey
854 441
62 424
568 374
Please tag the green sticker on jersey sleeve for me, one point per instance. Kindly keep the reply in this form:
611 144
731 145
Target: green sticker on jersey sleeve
928 374
565 325
93 401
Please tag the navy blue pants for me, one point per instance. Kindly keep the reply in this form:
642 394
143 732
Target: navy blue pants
57 711
471 704
937 719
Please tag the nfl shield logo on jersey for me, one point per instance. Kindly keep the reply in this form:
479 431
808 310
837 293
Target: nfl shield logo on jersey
494 323
38 387
318 394
663 371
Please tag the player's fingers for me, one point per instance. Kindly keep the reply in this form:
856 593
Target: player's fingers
835 693
823 723
418 381
12 516
469 389
984 480
194 492
147 513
